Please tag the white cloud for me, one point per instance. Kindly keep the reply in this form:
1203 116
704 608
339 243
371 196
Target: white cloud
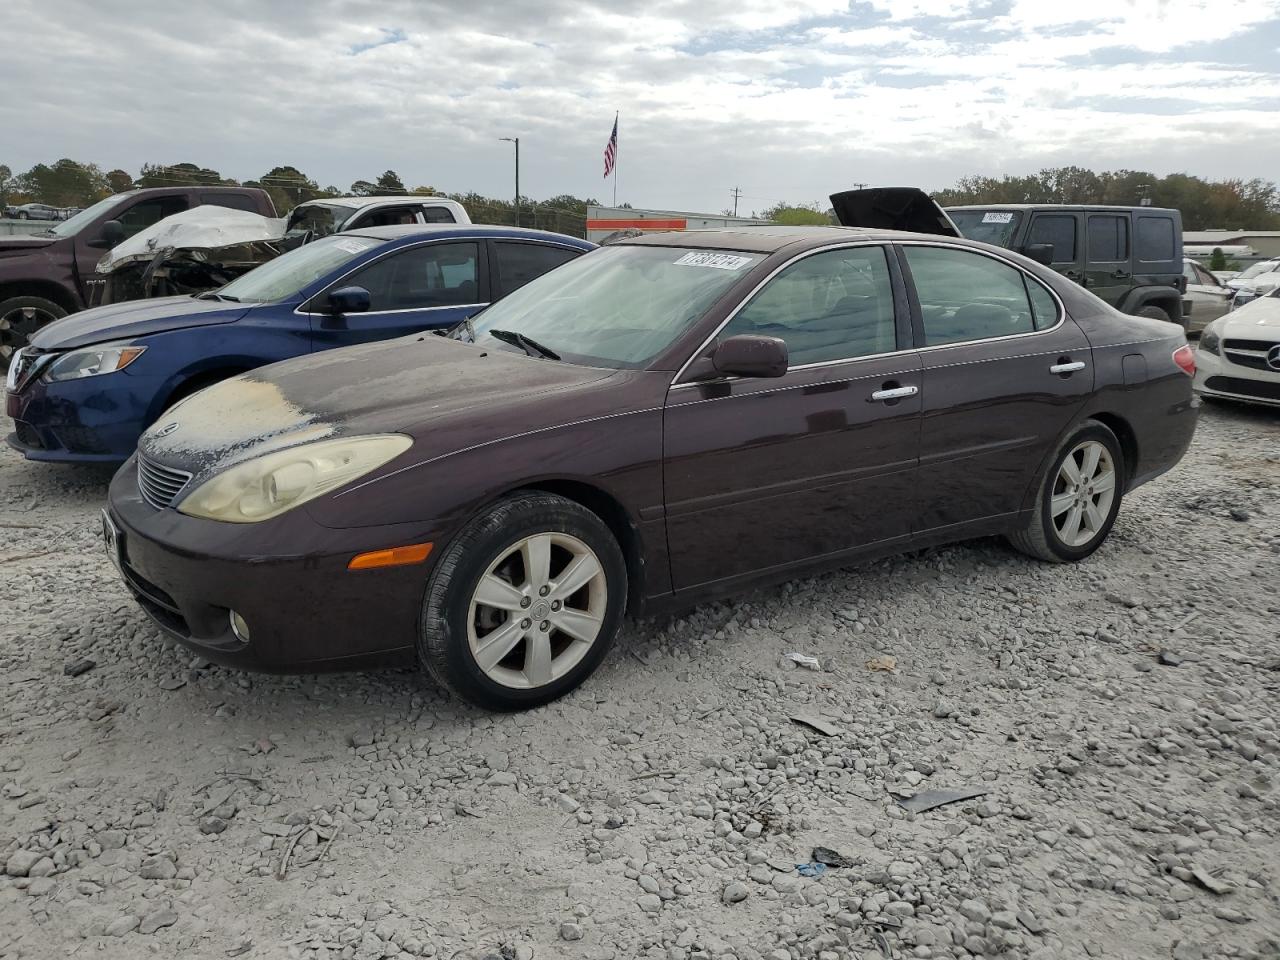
789 101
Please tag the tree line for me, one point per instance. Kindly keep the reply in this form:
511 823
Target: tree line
68 183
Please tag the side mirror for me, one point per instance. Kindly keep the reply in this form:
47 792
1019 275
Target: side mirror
112 235
349 300
1040 253
751 356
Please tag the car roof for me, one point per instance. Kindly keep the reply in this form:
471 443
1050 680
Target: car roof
768 239
403 231
356 203
1059 206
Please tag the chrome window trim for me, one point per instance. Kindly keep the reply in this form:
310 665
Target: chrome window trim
1062 309
413 246
766 383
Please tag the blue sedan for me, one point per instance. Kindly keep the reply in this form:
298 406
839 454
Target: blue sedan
89 384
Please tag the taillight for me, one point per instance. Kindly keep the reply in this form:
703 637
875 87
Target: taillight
1185 359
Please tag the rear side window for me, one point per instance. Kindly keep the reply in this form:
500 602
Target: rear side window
236 201
1155 238
1108 239
967 296
438 215
1043 307
387 217
518 263
1057 231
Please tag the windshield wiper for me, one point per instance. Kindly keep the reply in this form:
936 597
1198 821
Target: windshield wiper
211 295
532 347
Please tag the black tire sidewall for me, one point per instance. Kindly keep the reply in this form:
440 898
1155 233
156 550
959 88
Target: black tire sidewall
1092 431
443 633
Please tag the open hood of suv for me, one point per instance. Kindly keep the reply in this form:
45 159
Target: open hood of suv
892 208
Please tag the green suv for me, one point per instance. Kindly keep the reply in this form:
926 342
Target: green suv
1131 257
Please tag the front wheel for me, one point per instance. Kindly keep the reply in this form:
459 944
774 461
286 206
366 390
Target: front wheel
524 603
20 318
1078 499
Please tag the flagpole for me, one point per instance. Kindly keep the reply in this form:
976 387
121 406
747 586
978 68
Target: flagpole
616 150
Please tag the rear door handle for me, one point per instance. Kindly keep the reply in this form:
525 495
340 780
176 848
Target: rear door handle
896 393
1066 367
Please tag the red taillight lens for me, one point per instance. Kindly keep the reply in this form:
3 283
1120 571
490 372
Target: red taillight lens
1185 359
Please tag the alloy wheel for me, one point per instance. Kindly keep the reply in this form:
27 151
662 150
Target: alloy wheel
1083 493
537 610
16 328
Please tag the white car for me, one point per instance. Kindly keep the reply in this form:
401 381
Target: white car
1239 355
1258 280
319 218
1208 297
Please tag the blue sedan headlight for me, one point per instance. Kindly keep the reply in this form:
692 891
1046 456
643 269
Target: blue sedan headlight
92 361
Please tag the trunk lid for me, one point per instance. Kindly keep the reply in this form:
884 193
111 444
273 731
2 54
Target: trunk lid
892 208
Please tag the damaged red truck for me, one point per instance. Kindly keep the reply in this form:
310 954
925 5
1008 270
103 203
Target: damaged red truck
48 275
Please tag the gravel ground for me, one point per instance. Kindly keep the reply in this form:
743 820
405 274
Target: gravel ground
1120 716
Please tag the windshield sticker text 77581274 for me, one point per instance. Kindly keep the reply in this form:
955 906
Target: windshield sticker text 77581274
720 261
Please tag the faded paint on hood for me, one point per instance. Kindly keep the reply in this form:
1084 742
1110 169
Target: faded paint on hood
414 385
134 318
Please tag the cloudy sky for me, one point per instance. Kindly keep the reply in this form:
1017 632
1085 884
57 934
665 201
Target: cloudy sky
788 99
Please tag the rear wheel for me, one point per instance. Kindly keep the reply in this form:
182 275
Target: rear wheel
1078 499
1154 313
524 603
20 318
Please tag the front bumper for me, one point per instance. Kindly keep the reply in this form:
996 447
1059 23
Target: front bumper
287 577
96 420
1219 377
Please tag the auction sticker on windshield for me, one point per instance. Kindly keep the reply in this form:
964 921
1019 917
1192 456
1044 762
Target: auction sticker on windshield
720 261
997 217
352 245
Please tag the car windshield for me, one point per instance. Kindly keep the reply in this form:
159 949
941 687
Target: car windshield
987 226
73 225
318 219
616 307
1258 269
287 274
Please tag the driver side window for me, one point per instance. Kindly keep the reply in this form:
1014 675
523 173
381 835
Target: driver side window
147 212
422 277
968 296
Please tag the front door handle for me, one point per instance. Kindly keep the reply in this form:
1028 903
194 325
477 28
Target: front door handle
895 393
1067 367
1121 275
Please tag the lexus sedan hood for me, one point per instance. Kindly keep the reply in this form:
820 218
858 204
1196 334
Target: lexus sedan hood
134 318
892 208
422 386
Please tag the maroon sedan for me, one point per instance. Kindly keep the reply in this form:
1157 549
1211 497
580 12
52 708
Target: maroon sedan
667 419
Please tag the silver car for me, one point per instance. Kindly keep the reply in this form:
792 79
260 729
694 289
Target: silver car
34 211
1209 297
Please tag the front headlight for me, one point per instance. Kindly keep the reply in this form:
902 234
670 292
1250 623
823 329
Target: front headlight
266 487
92 361
1210 342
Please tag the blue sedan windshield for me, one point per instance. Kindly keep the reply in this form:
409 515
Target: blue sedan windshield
286 275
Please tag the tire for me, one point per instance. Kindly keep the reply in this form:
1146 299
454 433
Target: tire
456 623
1154 313
1047 537
23 215
20 317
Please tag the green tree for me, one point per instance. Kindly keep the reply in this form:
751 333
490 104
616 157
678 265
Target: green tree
64 184
179 175
6 177
119 181
1217 260
390 182
363 188
287 187
796 215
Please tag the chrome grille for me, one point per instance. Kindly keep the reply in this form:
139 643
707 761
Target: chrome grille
158 484
1247 353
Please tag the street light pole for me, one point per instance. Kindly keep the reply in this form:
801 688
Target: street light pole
516 141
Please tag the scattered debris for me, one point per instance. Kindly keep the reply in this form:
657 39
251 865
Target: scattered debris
804 660
1240 516
463 810
77 667
929 799
881 943
833 858
172 683
1169 659
282 868
884 663
815 723
811 869
1209 881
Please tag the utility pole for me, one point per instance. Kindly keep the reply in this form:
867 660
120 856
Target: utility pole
516 141
737 192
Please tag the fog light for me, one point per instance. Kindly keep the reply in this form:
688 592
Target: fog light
239 627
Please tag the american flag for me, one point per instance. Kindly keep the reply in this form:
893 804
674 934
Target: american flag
611 149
